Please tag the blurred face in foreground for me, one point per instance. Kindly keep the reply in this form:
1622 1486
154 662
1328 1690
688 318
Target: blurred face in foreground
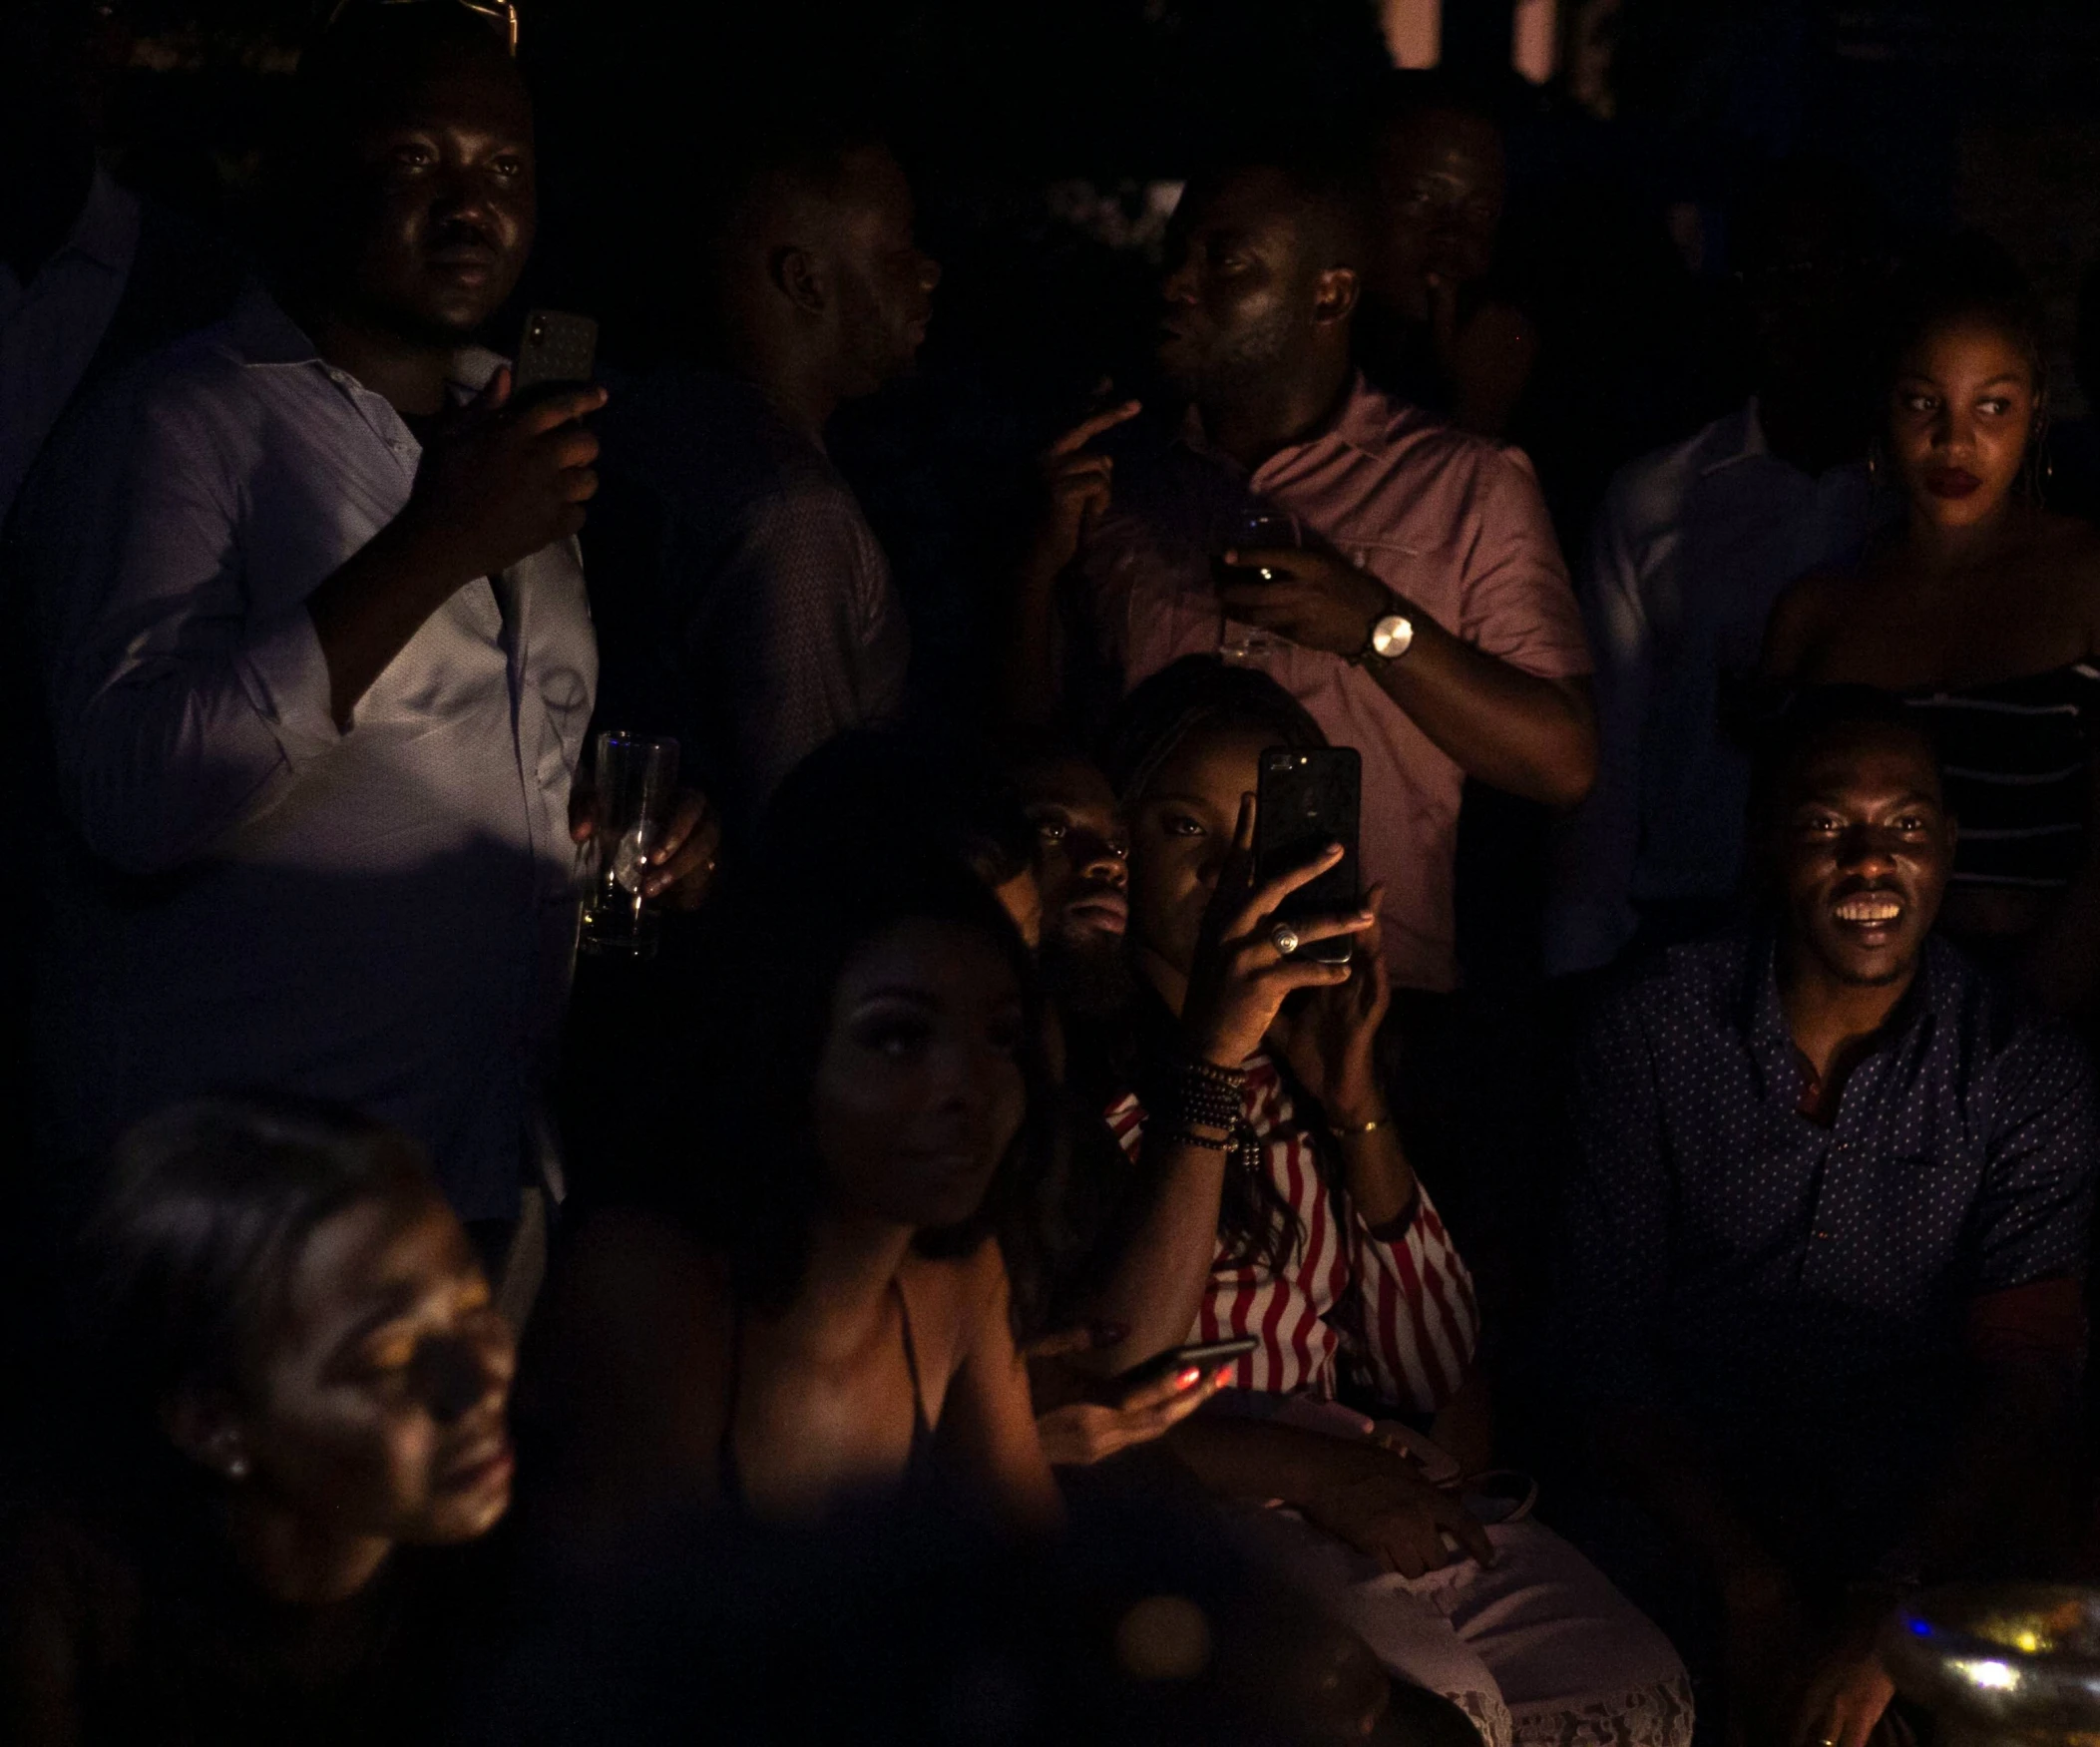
375 1407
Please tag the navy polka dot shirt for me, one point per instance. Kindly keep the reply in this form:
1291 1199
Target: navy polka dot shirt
1726 1253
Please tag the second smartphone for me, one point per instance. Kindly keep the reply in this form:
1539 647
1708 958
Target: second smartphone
1308 797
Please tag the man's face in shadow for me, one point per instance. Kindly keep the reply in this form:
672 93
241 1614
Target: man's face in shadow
1813 269
434 199
1082 854
1442 184
1864 845
1243 285
885 282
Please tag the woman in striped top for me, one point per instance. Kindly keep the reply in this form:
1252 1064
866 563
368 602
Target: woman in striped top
1982 610
1321 1244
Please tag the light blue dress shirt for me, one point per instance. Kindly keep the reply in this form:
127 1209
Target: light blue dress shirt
244 894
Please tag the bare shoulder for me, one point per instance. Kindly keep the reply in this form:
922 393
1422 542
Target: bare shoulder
2069 546
1801 619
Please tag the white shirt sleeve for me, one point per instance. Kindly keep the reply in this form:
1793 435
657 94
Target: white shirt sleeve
176 712
1590 914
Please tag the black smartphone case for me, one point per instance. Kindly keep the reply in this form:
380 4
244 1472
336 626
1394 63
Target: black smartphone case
556 347
1308 799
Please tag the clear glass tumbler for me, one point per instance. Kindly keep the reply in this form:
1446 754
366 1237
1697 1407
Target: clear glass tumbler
1240 644
634 787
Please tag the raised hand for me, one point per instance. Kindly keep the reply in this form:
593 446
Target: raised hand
1076 486
1239 980
503 481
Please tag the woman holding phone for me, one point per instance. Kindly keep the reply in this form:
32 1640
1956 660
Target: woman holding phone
1981 610
1321 1243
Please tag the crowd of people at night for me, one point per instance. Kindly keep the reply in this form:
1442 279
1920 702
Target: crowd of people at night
1007 1254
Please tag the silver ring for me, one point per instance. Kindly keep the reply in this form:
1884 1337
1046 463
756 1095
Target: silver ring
1283 937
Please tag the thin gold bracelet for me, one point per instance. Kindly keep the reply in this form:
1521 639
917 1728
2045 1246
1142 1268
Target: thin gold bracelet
1355 1130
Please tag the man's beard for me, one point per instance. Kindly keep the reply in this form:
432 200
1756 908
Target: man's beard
1085 972
1240 369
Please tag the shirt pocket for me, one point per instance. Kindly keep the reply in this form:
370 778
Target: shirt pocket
1413 570
1915 1210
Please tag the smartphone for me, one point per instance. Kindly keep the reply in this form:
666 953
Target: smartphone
1210 1355
1308 798
554 349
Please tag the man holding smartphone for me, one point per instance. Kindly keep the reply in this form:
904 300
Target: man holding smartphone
316 653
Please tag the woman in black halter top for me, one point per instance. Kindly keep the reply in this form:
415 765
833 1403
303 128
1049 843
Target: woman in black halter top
1981 610
816 1305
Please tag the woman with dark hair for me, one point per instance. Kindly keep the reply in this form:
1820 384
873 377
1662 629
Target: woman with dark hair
816 1304
1981 608
1362 1406
290 1367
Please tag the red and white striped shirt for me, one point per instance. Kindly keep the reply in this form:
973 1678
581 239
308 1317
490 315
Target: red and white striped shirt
1419 1322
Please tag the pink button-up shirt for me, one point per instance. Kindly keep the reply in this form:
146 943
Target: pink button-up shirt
1451 522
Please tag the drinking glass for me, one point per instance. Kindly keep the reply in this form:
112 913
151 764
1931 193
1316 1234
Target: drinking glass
637 783
1240 644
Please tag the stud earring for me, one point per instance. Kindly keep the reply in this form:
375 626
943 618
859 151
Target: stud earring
236 1468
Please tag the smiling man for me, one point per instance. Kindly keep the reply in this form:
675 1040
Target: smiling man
1822 1307
315 651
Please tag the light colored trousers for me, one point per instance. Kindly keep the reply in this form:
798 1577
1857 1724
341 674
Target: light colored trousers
1538 1650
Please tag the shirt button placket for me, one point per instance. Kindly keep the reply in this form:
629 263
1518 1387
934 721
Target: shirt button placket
1820 1264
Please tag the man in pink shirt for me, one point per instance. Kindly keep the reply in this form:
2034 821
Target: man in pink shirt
1427 619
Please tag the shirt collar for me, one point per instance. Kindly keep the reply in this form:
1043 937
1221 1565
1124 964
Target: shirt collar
265 336
1358 421
107 230
1738 437
1764 1021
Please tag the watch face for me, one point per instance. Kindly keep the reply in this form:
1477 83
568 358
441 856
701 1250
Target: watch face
1391 636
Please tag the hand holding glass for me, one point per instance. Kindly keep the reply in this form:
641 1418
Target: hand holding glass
637 787
1245 645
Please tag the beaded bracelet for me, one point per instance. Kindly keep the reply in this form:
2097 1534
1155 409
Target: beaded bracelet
1201 1094
1202 1143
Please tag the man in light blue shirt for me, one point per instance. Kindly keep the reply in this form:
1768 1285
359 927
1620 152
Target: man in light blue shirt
315 653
